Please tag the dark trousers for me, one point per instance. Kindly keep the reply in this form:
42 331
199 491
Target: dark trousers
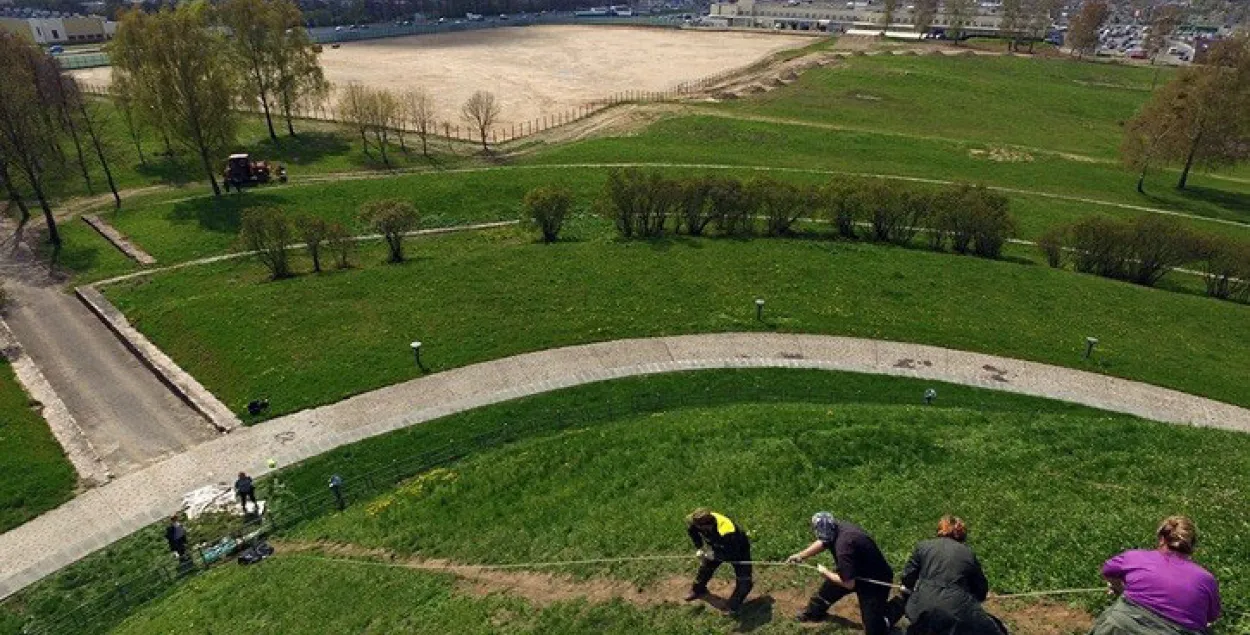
873 604
742 582
244 497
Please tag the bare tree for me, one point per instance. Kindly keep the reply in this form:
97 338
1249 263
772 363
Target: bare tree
1011 25
353 110
93 124
924 13
393 218
1083 29
958 13
481 111
419 109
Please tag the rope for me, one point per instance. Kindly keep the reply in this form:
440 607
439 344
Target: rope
568 563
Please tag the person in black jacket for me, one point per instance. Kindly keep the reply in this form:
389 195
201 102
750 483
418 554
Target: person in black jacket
245 490
947 586
861 569
718 540
176 536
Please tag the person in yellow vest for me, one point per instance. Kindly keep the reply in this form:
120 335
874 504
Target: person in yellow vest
719 540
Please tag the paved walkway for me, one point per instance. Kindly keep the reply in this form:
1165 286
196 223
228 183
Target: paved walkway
126 413
108 513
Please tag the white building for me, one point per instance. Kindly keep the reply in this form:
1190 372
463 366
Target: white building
815 15
72 30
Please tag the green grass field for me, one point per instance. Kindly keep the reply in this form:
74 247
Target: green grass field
480 296
1049 491
37 477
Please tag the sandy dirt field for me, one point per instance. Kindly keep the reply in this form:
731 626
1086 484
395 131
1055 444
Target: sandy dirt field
537 71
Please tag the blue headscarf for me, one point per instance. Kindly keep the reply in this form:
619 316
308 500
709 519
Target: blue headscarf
824 526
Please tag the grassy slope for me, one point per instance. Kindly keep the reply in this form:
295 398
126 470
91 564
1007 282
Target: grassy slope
98 575
1053 104
37 477
471 298
1019 475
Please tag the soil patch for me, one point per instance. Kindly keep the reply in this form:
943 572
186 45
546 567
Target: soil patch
778 594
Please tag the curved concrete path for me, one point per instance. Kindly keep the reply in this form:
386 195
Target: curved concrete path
108 513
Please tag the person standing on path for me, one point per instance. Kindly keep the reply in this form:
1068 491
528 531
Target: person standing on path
176 536
246 490
946 586
719 540
1161 590
861 569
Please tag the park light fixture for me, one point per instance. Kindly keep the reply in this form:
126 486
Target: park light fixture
416 353
1090 342
929 395
759 309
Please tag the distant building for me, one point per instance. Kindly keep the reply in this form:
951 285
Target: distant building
839 16
67 30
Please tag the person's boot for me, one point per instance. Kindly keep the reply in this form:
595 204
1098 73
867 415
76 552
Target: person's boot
696 593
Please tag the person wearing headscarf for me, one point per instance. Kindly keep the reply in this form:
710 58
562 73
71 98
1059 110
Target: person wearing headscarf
1162 591
718 540
946 586
860 569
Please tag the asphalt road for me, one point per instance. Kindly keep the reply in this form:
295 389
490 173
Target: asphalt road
130 417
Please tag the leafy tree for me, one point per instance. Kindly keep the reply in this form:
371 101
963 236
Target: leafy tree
313 230
392 218
190 78
256 37
1163 25
419 111
1225 265
353 111
124 101
547 208
29 128
923 15
958 14
300 78
93 124
268 232
481 111
1201 117
1083 29
1012 22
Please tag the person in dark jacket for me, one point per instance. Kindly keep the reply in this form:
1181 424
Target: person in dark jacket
719 540
245 490
176 536
861 569
946 586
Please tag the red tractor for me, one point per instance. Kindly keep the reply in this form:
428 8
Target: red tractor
241 170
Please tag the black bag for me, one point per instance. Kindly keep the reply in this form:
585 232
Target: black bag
255 553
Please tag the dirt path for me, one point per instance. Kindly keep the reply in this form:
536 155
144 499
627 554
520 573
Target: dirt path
128 415
779 593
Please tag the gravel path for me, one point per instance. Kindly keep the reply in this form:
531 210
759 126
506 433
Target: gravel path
108 513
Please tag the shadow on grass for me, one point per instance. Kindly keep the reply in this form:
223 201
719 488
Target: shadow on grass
1201 200
176 170
222 214
304 149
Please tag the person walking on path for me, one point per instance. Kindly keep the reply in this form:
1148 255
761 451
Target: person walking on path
861 569
176 536
945 586
1161 590
719 540
246 490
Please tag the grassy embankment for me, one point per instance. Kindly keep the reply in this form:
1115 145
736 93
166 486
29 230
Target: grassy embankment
1049 491
37 477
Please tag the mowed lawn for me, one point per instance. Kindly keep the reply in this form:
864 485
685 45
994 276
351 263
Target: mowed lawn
475 297
37 476
1056 104
1049 491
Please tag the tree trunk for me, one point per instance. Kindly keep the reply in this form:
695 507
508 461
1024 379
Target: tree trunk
425 147
264 105
484 147
286 110
15 197
1189 162
99 152
82 162
208 169
1141 179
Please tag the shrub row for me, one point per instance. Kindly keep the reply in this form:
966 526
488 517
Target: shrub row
270 232
1144 249
965 218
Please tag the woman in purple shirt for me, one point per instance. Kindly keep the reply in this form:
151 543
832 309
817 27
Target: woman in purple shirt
1161 590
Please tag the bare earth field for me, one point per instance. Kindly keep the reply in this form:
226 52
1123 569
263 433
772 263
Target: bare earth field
539 70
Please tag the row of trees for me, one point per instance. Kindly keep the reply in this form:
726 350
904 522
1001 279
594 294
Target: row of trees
178 73
1201 117
271 233
963 218
379 113
1145 249
48 132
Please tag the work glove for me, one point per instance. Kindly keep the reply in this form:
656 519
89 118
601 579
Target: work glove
794 559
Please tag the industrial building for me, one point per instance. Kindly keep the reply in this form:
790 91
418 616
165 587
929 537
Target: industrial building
811 15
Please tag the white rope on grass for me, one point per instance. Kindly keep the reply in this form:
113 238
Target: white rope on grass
653 558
